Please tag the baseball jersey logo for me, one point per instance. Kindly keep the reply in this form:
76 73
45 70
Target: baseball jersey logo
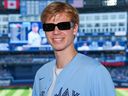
67 93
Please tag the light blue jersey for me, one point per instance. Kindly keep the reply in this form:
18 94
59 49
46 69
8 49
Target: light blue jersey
83 76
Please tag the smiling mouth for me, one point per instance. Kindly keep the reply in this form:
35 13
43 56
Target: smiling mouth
57 40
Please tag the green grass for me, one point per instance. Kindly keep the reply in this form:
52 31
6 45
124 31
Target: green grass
27 91
17 91
121 92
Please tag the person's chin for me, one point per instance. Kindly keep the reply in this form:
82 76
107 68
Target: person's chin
58 48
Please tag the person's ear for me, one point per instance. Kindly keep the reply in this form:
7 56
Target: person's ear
75 29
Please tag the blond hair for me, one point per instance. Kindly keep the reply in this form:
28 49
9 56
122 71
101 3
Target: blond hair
60 7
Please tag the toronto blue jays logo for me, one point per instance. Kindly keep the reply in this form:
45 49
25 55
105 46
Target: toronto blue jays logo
67 93
63 93
42 93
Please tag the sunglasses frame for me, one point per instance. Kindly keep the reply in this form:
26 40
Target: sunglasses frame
68 25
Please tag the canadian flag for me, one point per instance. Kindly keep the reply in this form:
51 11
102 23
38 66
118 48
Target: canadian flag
11 4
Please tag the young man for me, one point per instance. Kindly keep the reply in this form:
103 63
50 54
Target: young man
71 73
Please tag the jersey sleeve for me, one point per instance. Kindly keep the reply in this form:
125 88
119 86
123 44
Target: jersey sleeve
102 84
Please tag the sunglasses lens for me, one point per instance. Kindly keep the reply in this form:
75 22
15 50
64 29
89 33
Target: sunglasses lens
48 27
64 25
61 26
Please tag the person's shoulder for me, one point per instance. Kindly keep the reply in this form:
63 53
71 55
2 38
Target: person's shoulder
87 60
91 65
46 67
30 33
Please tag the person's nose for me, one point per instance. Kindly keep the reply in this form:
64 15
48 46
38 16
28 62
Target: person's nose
56 30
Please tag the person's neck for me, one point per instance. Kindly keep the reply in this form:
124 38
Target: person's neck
64 57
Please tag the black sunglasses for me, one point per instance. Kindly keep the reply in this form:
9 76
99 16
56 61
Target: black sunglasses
61 26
